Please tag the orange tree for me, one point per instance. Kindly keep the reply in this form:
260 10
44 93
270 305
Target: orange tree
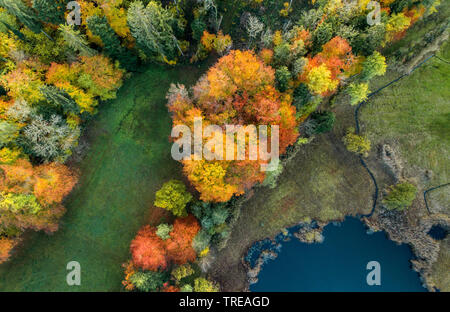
238 90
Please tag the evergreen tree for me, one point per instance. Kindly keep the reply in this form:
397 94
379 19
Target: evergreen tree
25 15
50 11
99 26
153 28
76 41
59 98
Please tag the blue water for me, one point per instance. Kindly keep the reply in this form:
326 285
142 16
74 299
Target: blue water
339 263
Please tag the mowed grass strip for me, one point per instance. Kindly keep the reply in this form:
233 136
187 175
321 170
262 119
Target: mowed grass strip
128 161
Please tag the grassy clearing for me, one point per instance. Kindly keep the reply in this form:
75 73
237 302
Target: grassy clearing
414 114
128 161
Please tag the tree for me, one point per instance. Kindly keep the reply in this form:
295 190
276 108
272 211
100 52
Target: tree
397 23
151 252
198 26
8 132
44 47
75 40
148 250
181 272
254 27
50 11
201 284
202 240
374 65
54 181
24 81
153 28
283 77
400 196
321 35
179 245
6 245
59 98
356 143
148 281
324 121
173 197
19 111
23 211
25 15
112 47
50 139
319 80
238 90
358 92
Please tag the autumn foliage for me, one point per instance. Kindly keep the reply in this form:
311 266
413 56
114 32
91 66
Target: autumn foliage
324 71
150 252
238 90
30 198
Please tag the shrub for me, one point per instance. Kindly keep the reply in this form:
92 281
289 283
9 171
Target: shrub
400 196
324 121
356 143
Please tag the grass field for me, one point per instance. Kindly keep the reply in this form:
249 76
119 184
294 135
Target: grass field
414 115
128 161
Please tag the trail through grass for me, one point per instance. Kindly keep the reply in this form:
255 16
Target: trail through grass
128 161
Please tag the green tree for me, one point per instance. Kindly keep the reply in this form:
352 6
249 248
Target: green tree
201 240
400 196
163 230
148 281
25 204
47 49
283 77
59 98
356 143
182 271
50 11
374 65
324 121
153 27
321 35
8 132
25 15
302 96
358 92
198 26
75 40
173 197
99 26
282 54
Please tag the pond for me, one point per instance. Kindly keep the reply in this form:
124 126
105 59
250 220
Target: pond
338 263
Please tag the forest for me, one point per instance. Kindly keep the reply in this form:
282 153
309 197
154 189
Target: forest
268 62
